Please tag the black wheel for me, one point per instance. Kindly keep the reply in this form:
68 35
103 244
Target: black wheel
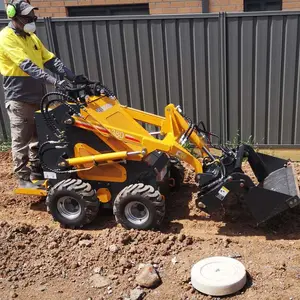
177 174
73 203
139 206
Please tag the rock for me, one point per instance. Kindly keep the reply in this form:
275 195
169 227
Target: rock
125 263
86 236
114 248
73 241
181 237
3 223
164 239
52 245
137 294
97 270
226 242
174 260
113 277
156 241
42 288
172 238
236 256
132 250
98 281
85 243
148 277
13 295
188 241
74 265
125 239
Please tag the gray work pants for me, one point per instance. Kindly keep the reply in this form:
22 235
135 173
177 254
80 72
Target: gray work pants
23 136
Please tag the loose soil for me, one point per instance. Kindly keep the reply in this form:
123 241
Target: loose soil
40 260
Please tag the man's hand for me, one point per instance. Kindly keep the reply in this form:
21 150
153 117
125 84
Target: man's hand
80 79
62 85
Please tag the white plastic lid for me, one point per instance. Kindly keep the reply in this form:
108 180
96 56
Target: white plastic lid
218 276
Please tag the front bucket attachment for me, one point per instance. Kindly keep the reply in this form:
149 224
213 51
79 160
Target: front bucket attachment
276 192
279 192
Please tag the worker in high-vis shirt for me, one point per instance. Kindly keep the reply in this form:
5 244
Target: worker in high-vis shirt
23 58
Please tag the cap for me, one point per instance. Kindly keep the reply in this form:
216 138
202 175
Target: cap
25 8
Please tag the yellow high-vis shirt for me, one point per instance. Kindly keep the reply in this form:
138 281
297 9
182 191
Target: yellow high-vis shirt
22 60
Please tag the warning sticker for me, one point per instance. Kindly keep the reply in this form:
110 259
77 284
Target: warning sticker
50 175
222 193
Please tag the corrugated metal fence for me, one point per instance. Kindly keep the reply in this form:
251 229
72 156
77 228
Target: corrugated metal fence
239 73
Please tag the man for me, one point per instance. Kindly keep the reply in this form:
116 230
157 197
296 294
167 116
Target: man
22 61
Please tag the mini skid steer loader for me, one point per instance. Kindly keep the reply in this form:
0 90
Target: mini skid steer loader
96 152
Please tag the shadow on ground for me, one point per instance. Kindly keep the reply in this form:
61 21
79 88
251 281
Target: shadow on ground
234 222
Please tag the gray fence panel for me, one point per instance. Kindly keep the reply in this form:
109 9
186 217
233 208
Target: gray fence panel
233 67
289 80
276 39
262 78
215 121
132 63
171 61
246 77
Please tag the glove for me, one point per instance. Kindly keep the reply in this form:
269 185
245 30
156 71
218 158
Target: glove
80 79
62 85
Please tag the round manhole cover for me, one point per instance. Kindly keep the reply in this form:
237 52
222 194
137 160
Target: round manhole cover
218 276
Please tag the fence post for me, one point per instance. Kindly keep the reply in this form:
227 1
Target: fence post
223 76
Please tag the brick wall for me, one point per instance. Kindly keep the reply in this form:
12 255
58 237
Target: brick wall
226 5
58 8
290 5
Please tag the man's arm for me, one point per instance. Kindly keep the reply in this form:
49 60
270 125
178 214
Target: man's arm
55 65
12 50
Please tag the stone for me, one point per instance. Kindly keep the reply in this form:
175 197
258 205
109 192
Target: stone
114 248
74 265
13 295
137 294
125 263
188 241
97 270
42 288
98 281
85 243
181 237
148 277
52 245
172 238
174 260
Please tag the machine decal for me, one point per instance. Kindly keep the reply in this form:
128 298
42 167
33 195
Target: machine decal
222 193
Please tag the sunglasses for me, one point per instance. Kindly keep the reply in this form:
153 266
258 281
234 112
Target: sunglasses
29 19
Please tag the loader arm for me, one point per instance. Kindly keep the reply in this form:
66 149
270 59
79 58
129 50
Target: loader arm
121 123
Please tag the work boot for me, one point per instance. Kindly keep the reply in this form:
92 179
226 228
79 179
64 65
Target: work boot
36 171
26 184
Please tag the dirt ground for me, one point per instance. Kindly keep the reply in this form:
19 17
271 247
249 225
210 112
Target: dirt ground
40 260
